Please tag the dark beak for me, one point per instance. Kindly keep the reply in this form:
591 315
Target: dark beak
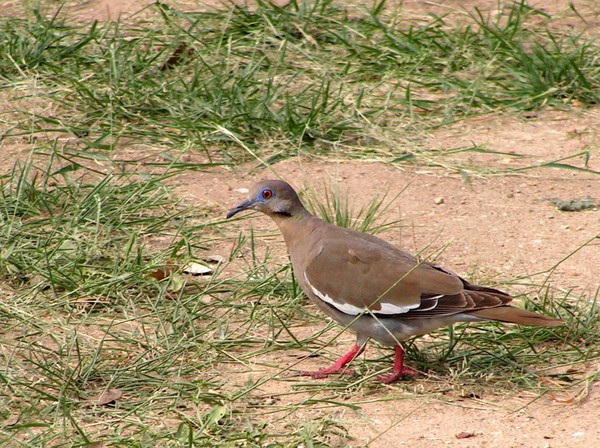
240 208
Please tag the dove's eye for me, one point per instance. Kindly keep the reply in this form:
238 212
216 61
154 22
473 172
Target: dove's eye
266 193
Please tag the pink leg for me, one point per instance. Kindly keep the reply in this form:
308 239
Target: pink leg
399 369
338 366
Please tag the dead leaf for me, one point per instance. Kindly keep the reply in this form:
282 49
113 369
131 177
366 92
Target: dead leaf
214 258
180 55
177 282
96 445
12 420
465 435
105 398
193 268
162 273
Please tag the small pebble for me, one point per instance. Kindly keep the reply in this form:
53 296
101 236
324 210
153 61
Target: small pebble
438 201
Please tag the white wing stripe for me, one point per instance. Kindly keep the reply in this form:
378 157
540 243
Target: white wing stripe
435 302
347 308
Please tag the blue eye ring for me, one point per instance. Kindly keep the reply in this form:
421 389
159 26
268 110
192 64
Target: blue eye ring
266 194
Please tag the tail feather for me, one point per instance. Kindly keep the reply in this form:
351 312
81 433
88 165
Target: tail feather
519 316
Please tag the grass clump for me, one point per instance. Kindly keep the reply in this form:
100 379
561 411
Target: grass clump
76 256
302 76
335 208
83 237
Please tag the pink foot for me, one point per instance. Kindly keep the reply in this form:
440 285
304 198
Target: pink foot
387 379
338 367
399 369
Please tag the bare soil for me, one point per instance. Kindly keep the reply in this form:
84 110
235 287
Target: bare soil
499 226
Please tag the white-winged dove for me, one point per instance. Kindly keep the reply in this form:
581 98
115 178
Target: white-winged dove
372 287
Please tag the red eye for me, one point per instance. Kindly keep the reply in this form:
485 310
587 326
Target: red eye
267 194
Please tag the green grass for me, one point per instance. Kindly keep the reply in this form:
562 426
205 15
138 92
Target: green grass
305 77
334 207
194 360
211 361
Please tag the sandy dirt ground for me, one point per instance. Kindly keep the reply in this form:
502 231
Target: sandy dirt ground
495 227
501 227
